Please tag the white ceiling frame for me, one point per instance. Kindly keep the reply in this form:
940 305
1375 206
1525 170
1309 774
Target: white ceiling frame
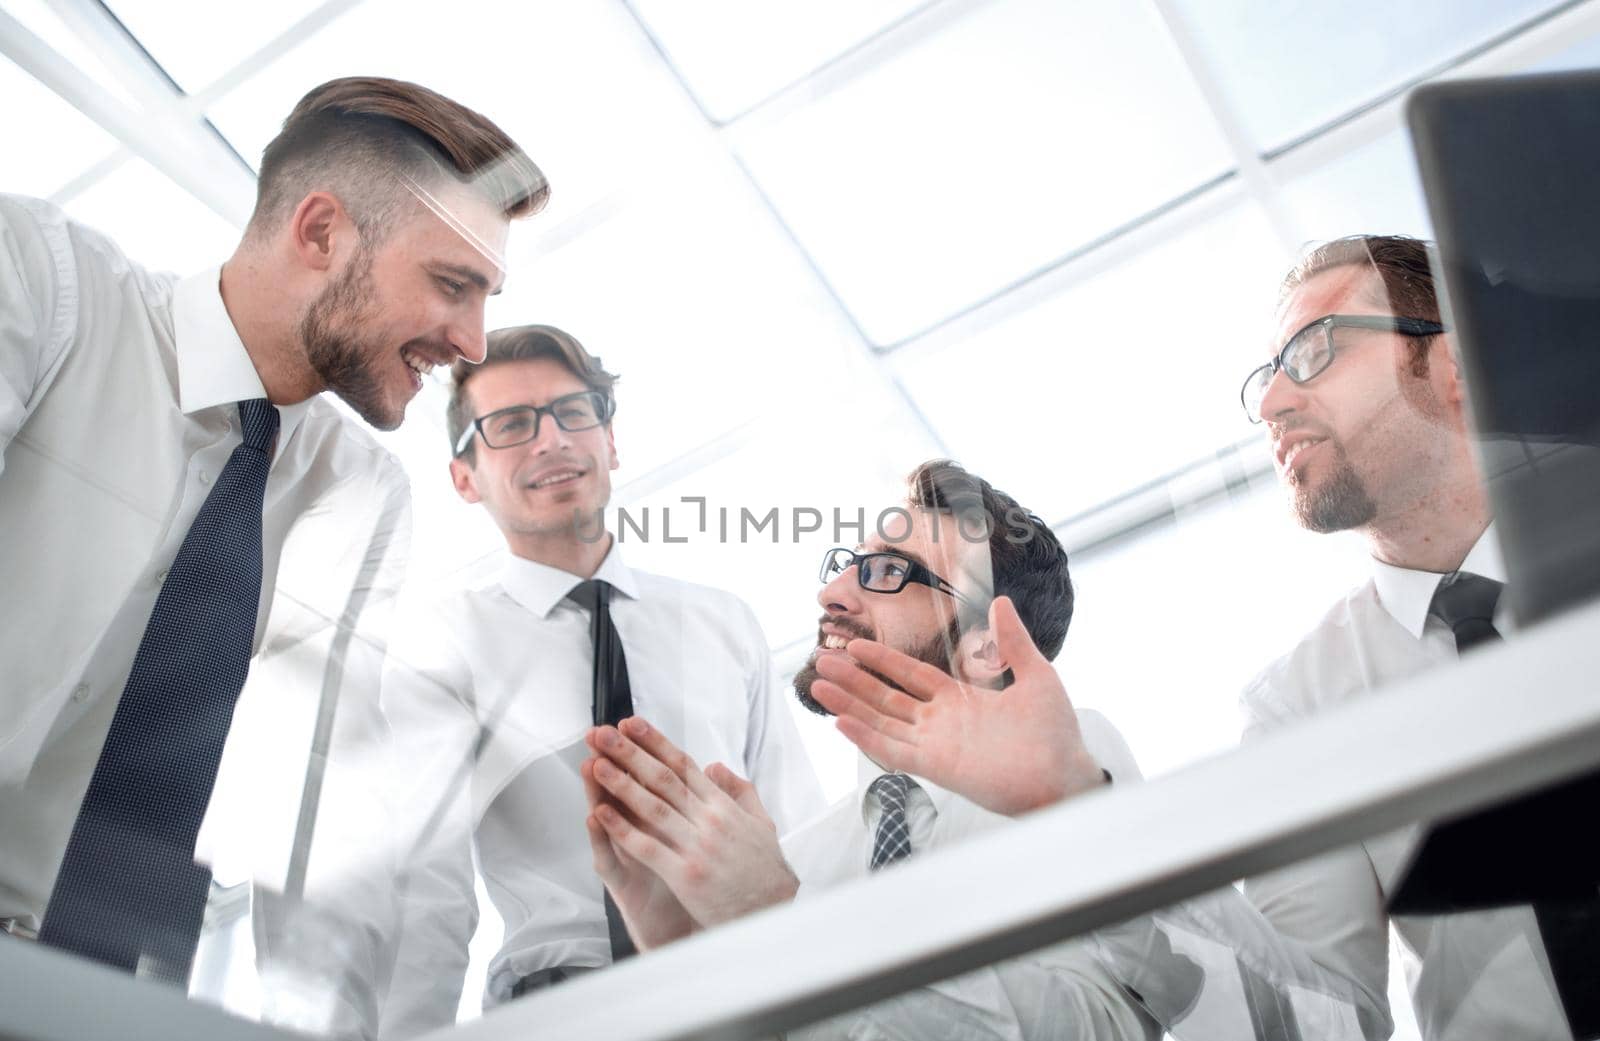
206 169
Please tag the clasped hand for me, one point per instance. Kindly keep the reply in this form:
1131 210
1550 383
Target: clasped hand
678 847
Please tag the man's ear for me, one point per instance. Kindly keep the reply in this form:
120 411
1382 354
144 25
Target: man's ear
1444 370
462 476
319 230
611 446
977 658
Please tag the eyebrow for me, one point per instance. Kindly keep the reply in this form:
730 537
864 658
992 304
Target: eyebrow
861 549
472 275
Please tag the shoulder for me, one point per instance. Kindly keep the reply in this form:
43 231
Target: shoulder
715 608
341 451
1299 682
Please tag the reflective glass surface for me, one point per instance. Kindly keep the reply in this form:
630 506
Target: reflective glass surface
819 246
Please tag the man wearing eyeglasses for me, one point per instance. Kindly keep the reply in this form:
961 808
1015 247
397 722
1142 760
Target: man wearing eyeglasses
1363 402
921 604
491 695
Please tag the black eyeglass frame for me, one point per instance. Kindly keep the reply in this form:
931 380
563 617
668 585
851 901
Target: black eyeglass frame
915 572
1327 324
605 409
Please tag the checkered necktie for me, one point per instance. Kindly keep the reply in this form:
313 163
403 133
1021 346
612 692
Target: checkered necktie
893 841
129 893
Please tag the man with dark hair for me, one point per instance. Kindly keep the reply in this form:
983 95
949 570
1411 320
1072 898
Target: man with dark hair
490 701
1362 398
924 603
176 495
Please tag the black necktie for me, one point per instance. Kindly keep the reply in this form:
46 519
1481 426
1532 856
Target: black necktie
1570 929
613 702
129 892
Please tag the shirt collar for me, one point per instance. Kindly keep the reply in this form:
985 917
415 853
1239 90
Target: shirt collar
868 771
540 587
213 366
1406 593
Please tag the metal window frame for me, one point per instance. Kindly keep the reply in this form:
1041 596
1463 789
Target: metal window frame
1357 771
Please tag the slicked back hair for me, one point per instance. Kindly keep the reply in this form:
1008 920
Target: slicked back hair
363 138
1028 561
1402 263
520 343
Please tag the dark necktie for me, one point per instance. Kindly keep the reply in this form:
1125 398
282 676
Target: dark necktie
1570 929
129 892
613 702
893 839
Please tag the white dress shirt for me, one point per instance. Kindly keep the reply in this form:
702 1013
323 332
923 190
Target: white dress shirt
489 701
1475 975
117 411
1059 993
1318 934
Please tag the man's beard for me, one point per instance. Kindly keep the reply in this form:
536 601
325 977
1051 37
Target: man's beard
1339 503
937 651
331 332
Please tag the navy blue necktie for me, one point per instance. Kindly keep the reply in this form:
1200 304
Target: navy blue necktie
129 893
613 702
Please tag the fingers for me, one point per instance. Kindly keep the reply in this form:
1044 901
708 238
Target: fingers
649 770
867 688
919 679
844 704
646 849
606 864
655 744
738 789
885 751
650 811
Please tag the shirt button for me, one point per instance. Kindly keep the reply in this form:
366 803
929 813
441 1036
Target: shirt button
161 576
204 477
80 692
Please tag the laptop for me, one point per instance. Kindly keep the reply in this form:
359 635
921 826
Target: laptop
1511 170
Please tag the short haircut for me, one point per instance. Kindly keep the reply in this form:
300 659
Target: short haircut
361 138
520 343
1403 263
1028 561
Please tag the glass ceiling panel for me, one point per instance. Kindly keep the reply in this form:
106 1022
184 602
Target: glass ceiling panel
199 41
1374 189
919 191
735 53
35 113
155 222
1290 67
1118 380
48 26
572 84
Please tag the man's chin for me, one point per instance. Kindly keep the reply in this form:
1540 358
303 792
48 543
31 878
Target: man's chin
802 688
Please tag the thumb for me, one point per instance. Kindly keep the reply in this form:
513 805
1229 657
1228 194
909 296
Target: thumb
1011 637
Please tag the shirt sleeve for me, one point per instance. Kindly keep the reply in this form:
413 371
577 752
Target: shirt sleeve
1302 952
775 757
38 307
427 698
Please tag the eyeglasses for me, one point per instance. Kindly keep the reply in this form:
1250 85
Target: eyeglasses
1312 349
519 424
885 572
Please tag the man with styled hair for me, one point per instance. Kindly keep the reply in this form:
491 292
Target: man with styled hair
176 494
490 699
683 849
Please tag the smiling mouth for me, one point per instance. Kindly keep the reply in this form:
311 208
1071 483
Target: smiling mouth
1298 447
418 364
557 478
